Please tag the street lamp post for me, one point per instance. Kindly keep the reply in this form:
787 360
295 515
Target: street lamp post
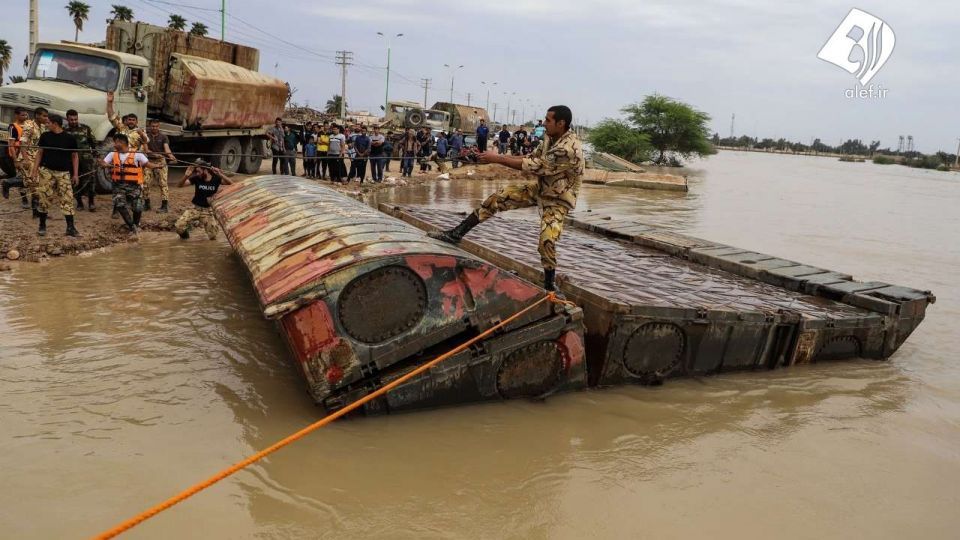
453 71
488 85
509 96
386 96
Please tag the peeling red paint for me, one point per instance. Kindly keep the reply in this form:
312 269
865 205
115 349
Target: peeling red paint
480 281
572 346
311 330
453 298
516 289
423 265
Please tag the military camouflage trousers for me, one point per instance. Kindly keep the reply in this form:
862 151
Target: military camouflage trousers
197 216
55 188
29 184
127 195
160 177
524 196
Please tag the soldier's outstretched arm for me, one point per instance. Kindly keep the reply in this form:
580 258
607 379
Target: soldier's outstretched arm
491 156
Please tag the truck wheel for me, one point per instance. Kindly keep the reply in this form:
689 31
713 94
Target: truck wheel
227 154
103 182
414 118
252 155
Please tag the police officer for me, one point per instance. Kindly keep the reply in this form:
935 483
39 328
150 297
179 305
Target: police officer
86 150
558 166
126 170
206 182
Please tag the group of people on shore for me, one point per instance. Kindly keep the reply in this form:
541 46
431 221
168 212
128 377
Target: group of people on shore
343 152
57 163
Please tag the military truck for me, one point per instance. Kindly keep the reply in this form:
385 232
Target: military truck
206 93
401 115
463 117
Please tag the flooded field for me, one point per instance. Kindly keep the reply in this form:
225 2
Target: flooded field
130 374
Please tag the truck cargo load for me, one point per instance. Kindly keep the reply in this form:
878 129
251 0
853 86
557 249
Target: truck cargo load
209 94
463 117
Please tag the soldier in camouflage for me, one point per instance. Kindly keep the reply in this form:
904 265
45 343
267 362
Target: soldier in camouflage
127 126
86 146
558 165
32 129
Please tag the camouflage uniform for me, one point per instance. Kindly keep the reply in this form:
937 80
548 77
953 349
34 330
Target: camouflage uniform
28 155
55 185
159 175
559 167
127 195
198 216
138 141
86 144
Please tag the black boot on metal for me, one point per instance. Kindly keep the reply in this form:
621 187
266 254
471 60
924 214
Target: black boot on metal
42 231
549 283
456 234
71 229
163 207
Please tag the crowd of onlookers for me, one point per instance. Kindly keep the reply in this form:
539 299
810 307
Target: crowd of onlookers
343 153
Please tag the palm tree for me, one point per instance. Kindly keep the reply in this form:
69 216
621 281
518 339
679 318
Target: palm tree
79 11
199 29
6 54
14 79
176 22
333 105
121 13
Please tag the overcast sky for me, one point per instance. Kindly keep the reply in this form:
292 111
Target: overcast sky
755 59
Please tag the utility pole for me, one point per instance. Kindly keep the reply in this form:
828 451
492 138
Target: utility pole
34 29
488 85
468 99
956 163
343 58
425 84
223 19
453 71
514 121
494 112
386 96
733 119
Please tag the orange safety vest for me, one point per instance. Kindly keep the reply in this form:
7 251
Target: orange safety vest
128 171
14 146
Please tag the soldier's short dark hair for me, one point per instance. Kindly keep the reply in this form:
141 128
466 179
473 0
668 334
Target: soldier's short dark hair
278 119
73 112
153 121
562 112
56 119
19 110
39 110
131 115
120 137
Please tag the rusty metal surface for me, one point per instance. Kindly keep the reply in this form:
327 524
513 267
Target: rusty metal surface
658 304
210 94
157 44
361 297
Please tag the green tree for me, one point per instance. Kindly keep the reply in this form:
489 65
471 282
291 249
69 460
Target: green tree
672 126
6 55
120 13
80 12
333 105
618 138
199 29
176 22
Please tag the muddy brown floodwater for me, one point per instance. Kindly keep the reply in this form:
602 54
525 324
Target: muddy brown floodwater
128 375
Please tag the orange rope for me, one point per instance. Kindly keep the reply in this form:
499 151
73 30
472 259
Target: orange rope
196 488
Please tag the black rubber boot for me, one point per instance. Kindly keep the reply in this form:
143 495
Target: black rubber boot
185 235
136 217
42 231
34 204
6 188
71 229
125 214
454 235
549 280
146 205
163 207
79 203
90 206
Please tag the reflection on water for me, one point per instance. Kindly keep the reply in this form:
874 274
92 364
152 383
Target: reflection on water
129 375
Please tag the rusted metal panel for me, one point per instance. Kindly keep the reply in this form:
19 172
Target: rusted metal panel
209 94
361 297
658 304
